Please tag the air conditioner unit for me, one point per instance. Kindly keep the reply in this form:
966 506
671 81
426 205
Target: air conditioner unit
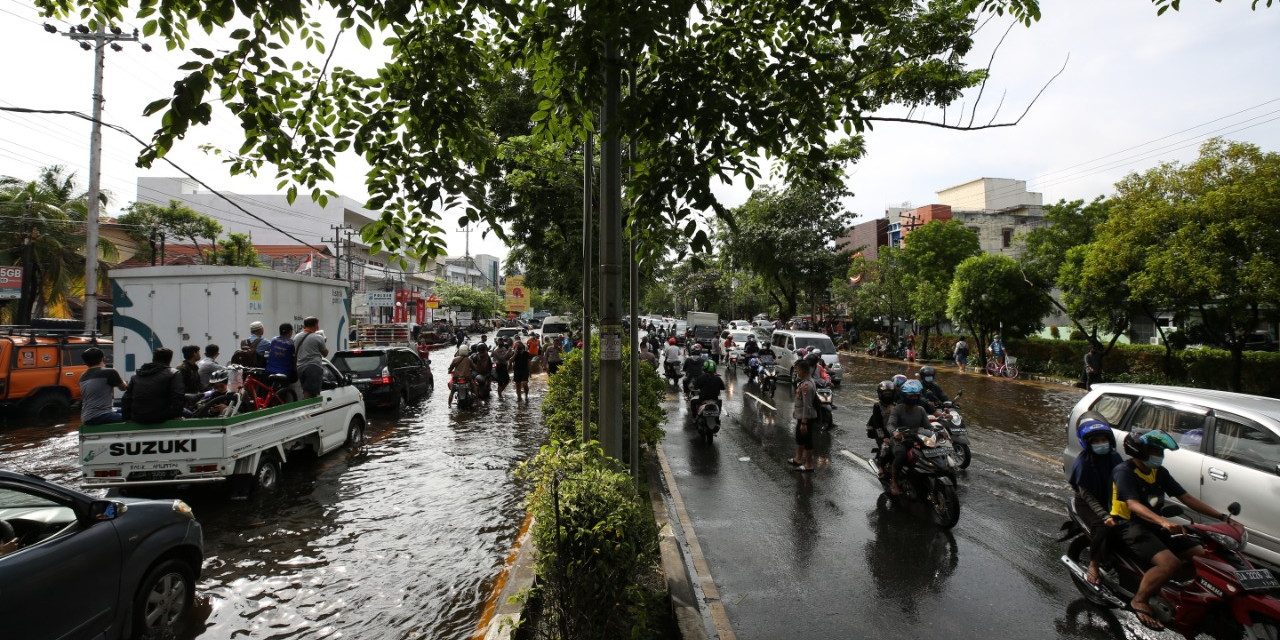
1155 340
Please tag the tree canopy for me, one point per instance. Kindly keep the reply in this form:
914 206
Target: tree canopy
175 220
929 261
718 87
989 296
482 303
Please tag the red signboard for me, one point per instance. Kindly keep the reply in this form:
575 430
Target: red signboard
410 307
10 283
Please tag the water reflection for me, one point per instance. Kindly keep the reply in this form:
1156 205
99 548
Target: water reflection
908 558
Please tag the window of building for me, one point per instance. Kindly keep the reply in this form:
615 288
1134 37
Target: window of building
974 230
1006 236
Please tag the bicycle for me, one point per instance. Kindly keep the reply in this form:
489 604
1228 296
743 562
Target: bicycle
1007 369
267 395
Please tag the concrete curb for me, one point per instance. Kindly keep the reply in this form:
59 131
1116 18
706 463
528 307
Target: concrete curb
518 576
684 603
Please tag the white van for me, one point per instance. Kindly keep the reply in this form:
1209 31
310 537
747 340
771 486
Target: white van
785 342
555 327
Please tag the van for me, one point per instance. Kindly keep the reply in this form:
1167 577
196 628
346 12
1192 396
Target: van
555 327
785 342
1228 447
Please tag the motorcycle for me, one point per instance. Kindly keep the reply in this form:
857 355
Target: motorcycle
825 398
929 477
767 375
672 370
461 388
706 416
1227 597
951 421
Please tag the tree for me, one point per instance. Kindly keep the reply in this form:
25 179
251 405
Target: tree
929 261
49 213
718 86
989 295
787 238
237 249
878 293
175 220
482 303
1201 238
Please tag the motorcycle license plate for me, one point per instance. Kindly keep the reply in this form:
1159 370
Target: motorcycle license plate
958 431
1257 579
937 452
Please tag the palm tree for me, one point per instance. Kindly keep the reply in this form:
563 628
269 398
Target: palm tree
49 213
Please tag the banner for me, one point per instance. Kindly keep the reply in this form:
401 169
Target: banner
381 299
10 283
517 298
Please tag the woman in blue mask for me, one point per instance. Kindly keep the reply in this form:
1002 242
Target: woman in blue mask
1091 479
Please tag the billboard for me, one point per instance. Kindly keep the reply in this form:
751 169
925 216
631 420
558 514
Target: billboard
517 297
10 283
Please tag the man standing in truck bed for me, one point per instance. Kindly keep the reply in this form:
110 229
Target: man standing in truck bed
311 350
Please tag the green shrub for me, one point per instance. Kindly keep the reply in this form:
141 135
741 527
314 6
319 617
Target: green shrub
562 405
595 536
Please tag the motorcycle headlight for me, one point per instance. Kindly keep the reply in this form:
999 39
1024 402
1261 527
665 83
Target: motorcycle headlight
956 419
1227 542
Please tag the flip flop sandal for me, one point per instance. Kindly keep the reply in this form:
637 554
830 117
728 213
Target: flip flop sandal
1147 618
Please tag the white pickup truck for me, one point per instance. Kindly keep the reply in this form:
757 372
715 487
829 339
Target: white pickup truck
249 446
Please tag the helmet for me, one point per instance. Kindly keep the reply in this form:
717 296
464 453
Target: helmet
911 387
1138 440
480 348
1090 427
813 357
696 348
709 366
464 350
671 340
751 338
899 380
885 390
220 375
926 373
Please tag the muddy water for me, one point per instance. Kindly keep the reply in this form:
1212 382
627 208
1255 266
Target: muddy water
400 540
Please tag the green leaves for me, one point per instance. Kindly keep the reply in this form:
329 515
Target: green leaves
362 34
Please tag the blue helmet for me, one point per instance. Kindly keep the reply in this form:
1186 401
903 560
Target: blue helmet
912 386
1090 427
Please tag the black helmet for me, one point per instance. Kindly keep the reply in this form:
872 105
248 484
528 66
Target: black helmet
1138 441
926 373
886 391
479 347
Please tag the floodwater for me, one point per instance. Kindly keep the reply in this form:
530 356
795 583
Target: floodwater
402 539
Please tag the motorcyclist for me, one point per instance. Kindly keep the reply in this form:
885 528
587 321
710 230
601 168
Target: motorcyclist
461 367
905 420
481 363
671 354
707 386
1141 484
878 423
692 365
814 358
932 390
751 348
898 381
1091 480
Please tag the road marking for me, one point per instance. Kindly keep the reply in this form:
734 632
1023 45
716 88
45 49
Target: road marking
858 459
867 398
710 593
1053 461
757 399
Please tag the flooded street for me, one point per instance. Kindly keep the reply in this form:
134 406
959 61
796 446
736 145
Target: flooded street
400 540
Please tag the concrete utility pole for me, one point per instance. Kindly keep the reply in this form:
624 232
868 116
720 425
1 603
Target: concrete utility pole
100 39
588 162
338 230
633 440
611 259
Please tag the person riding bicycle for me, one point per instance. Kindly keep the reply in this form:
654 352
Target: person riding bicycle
707 386
692 365
1141 484
932 390
905 420
997 350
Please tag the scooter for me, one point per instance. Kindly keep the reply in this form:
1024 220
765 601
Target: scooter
929 477
461 388
825 397
1227 596
672 370
768 375
706 416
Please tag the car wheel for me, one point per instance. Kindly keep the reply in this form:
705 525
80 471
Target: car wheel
49 406
267 478
355 433
163 600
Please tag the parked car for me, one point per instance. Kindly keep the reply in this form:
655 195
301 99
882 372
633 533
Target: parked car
389 377
91 568
786 342
1260 341
1229 447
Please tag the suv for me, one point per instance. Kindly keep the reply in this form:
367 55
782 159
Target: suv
88 568
786 342
1229 447
40 370
387 376
514 333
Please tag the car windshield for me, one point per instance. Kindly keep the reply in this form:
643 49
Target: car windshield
358 363
740 337
705 332
555 328
823 343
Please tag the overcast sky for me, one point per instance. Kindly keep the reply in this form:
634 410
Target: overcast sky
1138 90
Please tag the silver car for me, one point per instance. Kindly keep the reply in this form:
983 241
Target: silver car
785 342
1229 447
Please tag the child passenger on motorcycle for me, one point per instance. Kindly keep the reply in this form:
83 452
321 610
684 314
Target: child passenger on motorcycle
1091 480
1141 484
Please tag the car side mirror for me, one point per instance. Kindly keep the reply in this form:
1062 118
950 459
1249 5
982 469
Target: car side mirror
1234 507
1171 511
348 379
106 509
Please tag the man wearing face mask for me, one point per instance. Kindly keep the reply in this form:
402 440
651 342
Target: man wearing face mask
905 420
933 392
1141 484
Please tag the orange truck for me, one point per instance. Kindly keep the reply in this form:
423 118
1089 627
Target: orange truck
40 371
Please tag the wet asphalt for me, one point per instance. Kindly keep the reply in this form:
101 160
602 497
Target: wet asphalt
809 555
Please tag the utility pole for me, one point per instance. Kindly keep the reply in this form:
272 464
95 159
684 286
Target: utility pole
100 39
633 439
338 230
611 258
588 162
347 232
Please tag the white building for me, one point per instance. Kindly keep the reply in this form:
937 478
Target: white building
999 210
481 271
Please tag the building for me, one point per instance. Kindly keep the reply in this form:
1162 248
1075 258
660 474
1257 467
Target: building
999 210
481 271
298 230
867 238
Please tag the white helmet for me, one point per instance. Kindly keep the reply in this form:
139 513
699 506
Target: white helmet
464 350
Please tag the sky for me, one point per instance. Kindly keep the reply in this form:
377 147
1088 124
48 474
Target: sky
1137 90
